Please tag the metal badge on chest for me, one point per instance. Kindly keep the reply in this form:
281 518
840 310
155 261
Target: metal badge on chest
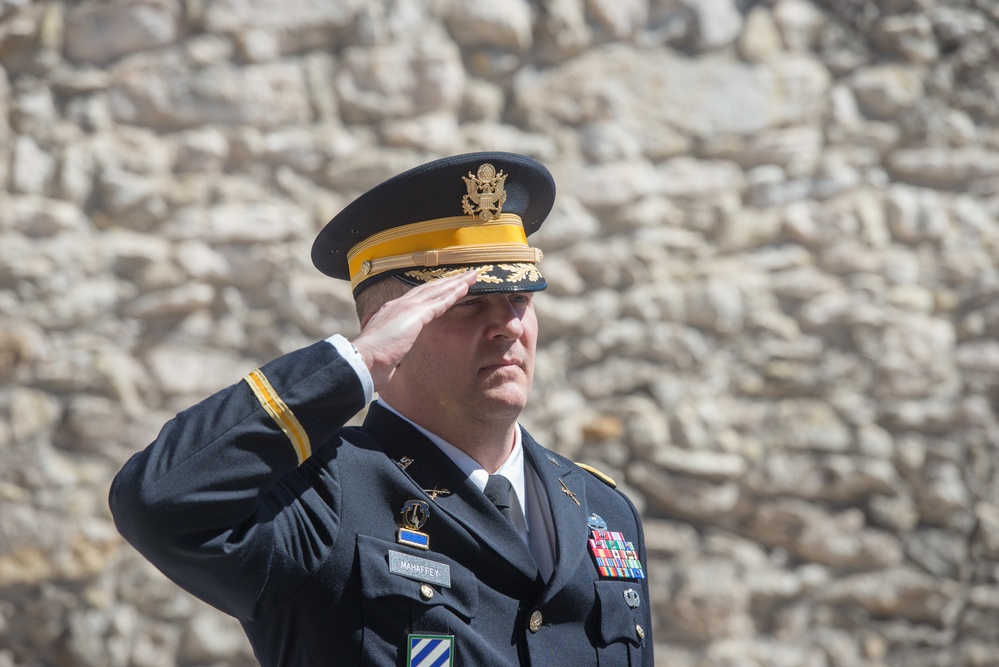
414 514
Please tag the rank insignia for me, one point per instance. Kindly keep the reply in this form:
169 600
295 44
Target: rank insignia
430 651
414 514
615 557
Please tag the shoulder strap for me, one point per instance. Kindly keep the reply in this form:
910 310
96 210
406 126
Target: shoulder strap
599 475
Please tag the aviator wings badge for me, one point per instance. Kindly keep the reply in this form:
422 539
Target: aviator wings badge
486 193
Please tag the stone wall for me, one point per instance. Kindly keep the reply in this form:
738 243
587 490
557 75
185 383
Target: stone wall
773 315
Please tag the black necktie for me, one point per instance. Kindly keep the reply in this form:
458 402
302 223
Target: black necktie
498 491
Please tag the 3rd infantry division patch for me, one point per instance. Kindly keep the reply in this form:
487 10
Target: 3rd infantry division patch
430 651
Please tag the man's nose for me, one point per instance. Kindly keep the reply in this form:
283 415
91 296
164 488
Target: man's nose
505 320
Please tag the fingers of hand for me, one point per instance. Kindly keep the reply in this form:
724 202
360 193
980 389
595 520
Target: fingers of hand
456 288
399 322
445 286
390 333
431 300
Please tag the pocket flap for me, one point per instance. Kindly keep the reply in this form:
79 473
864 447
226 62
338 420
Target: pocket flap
620 611
389 569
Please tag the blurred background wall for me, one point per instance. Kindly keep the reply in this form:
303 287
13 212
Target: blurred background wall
773 312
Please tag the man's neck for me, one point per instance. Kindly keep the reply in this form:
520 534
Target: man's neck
488 443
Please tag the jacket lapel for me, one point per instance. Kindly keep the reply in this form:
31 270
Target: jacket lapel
448 490
565 487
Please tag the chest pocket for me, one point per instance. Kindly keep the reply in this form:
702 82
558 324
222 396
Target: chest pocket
416 592
621 614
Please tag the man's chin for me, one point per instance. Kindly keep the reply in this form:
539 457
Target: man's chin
506 395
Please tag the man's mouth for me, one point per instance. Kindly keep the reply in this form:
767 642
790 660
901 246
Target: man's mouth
502 363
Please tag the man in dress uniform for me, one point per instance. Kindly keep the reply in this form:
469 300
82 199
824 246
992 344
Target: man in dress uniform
438 532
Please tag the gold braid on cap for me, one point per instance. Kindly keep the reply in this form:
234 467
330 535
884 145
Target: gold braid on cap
484 235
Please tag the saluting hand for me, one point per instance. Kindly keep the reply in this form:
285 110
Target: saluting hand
387 336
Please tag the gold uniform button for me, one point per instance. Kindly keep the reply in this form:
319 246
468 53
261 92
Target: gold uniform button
426 592
535 623
640 631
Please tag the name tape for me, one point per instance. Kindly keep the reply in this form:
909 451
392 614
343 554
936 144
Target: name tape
420 569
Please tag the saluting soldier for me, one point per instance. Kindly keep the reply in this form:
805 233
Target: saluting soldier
438 532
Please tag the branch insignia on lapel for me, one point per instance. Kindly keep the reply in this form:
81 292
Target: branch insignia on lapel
434 492
567 491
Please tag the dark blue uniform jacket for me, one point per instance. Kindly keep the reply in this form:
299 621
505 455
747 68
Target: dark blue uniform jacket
296 545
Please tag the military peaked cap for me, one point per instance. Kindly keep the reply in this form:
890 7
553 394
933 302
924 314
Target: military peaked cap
472 211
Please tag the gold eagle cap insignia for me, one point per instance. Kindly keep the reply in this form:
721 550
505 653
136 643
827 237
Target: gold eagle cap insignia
486 193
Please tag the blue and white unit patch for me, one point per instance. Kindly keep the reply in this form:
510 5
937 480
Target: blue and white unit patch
430 651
